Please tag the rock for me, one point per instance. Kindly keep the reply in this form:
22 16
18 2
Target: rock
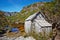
57 37
20 38
29 38
3 38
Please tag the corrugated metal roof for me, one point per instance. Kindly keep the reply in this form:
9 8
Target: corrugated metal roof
40 20
35 15
43 23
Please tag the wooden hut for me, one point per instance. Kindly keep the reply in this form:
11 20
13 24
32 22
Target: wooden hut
37 23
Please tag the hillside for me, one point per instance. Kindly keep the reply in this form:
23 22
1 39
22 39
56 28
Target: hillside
50 9
3 20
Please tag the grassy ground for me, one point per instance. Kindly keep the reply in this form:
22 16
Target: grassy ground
40 36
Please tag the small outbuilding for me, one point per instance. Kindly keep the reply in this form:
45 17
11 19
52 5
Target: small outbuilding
37 22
